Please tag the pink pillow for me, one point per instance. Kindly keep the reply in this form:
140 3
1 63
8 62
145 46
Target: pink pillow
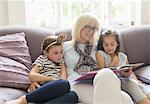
15 61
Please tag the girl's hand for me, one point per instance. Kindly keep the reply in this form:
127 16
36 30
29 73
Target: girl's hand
33 86
126 73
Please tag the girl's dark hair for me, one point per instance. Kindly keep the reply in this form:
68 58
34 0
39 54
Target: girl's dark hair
106 33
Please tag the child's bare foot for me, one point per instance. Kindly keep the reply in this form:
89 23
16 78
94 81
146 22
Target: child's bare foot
21 100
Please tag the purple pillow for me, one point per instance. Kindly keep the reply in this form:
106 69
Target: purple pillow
14 46
15 61
13 74
143 74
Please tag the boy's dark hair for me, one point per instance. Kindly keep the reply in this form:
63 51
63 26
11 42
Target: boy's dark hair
106 33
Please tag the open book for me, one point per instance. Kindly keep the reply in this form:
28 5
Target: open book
90 75
126 67
87 76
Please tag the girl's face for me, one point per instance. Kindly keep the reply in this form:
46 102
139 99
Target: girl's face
109 44
87 32
55 53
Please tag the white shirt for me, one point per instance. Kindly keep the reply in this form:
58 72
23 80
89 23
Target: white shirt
71 58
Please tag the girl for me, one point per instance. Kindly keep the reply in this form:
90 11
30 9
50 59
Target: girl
108 55
49 71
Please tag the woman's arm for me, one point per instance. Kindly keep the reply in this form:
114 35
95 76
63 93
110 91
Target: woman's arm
35 76
63 74
100 60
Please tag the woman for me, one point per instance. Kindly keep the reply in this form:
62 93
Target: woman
81 50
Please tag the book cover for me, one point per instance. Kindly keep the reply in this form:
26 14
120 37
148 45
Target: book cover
87 76
90 75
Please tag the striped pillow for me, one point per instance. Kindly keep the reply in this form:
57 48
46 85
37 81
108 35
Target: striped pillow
14 46
15 61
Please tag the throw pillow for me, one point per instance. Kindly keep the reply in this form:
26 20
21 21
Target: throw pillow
15 61
13 74
14 46
143 74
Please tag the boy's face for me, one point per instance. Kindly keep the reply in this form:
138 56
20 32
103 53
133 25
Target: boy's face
110 44
55 53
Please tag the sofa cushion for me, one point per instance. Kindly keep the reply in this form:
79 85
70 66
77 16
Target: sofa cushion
143 74
14 46
8 94
15 61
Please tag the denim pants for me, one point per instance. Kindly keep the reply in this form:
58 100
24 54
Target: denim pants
54 91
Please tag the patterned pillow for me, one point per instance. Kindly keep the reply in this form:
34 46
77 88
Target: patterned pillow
15 61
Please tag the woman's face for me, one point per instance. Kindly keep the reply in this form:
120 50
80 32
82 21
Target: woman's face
87 32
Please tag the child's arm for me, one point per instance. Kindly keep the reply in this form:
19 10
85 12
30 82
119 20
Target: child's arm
100 60
36 77
133 74
63 74
127 73
33 86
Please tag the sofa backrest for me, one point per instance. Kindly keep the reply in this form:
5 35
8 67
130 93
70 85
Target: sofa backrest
136 43
134 40
34 36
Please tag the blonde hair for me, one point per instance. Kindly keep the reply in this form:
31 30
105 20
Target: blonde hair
82 21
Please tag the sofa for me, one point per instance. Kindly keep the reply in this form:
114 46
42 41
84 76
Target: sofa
135 42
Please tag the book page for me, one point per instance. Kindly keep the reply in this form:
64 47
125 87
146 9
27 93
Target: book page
126 67
131 66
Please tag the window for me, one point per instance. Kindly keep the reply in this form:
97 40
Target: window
123 12
58 14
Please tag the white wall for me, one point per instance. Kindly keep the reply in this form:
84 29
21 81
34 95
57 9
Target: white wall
3 13
16 11
12 12
145 12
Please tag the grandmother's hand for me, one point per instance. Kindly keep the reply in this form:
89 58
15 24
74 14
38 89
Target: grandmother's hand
91 39
33 86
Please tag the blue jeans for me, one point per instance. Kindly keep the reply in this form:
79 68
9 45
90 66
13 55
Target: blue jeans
53 91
